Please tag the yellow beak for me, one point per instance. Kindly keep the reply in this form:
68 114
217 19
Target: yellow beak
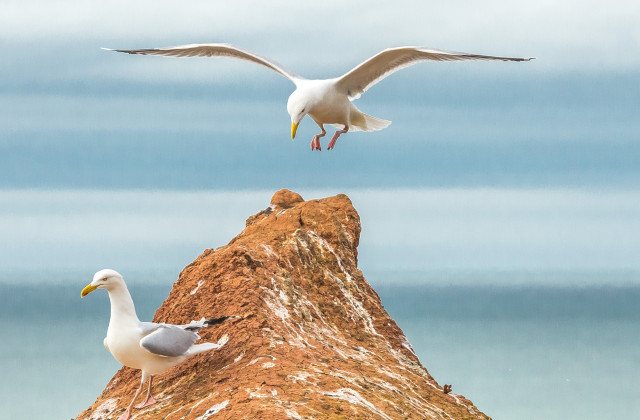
294 128
90 288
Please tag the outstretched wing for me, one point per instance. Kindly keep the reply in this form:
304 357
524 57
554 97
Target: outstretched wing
215 50
367 74
165 339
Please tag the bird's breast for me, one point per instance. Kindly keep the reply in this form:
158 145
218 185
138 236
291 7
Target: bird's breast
124 345
333 110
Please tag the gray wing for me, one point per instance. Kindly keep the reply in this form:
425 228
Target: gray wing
166 339
215 50
367 74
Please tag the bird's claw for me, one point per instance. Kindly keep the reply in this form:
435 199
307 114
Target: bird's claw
125 416
147 402
334 139
315 143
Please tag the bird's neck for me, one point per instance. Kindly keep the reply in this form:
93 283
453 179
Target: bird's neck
122 308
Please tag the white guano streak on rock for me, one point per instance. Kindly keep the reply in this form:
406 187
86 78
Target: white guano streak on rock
358 379
273 397
275 304
193 407
274 301
363 314
278 302
325 332
418 403
406 344
292 414
468 407
257 393
269 251
353 301
254 361
326 245
303 377
200 283
214 410
356 305
360 312
415 399
174 412
354 397
236 360
104 409
339 261
357 308
415 368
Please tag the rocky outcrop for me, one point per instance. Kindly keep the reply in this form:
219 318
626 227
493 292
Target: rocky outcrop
313 340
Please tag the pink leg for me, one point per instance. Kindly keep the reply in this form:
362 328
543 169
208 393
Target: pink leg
315 143
127 414
148 400
335 137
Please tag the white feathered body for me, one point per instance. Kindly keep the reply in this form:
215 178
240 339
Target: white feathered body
125 333
325 104
125 348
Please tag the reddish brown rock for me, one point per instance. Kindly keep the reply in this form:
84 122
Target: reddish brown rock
314 340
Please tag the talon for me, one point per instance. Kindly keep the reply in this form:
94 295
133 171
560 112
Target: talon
332 143
315 143
147 402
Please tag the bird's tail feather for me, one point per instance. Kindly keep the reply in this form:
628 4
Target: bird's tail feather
364 122
199 348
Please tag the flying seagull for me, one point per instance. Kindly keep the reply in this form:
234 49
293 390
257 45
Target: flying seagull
328 101
148 346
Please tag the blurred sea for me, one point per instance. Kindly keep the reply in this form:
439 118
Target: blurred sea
530 350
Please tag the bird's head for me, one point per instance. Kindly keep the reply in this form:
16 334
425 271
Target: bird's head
103 279
297 107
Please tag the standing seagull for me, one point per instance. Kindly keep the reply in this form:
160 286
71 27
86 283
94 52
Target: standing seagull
328 101
150 347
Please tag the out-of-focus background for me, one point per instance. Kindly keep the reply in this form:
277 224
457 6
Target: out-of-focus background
500 210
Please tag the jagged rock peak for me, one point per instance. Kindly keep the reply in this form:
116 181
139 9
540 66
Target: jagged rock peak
314 340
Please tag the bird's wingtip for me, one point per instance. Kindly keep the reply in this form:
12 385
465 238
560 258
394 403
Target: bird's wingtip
519 59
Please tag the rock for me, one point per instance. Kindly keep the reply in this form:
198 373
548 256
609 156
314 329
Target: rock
314 340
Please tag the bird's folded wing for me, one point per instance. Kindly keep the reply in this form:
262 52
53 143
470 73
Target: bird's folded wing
357 81
215 50
165 339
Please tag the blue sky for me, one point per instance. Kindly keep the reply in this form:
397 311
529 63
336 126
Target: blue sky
75 116
76 121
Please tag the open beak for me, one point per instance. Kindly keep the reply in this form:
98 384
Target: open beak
294 128
90 288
